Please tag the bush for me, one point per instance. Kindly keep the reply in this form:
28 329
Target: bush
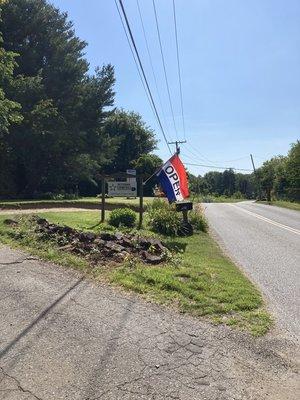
198 220
163 218
122 217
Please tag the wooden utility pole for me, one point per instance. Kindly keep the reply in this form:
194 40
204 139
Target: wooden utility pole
177 143
253 163
255 174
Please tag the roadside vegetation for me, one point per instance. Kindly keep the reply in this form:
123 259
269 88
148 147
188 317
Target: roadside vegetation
292 205
82 202
196 277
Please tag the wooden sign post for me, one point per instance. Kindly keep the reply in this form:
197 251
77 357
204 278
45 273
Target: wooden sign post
103 199
141 194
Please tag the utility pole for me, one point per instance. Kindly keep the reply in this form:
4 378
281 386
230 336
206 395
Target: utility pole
253 163
255 174
177 143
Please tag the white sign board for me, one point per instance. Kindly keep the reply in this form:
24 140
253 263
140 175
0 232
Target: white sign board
122 189
131 172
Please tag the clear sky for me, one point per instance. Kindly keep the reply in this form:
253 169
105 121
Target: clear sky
240 64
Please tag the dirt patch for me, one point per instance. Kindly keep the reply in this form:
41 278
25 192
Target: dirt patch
102 247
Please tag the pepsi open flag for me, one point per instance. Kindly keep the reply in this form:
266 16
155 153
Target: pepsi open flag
173 179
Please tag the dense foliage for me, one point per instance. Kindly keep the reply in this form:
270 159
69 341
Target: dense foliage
122 217
226 183
164 219
278 178
58 129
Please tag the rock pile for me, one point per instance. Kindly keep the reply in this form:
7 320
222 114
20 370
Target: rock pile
103 246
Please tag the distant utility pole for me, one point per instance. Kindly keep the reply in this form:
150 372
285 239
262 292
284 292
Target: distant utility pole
253 163
177 143
255 174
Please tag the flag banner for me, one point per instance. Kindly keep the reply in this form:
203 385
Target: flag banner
173 179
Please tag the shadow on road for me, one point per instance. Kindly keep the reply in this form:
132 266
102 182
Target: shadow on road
26 330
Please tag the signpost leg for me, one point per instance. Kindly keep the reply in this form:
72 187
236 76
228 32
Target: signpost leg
103 200
141 187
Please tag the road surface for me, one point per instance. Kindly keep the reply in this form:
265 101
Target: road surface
63 337
265 241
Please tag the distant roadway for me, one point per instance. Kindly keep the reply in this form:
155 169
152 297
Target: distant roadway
265 242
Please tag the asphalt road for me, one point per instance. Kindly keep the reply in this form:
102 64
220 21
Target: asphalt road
265 241
63 337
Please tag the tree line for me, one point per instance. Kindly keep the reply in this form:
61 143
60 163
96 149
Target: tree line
277 178
59 129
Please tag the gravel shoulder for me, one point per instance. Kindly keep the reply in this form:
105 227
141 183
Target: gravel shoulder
64 337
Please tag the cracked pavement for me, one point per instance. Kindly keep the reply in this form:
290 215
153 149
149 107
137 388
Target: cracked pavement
65 337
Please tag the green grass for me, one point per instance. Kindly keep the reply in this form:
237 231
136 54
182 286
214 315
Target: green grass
204 283
198 279
82 220
216 199
23 237
83 200
283 203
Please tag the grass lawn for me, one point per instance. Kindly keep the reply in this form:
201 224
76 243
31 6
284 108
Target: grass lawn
198 279
282 203
216 199
83 200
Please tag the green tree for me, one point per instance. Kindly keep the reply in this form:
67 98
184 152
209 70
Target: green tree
61 138
146 165
9 115
228 182
134 138
214 180
293 171
269 175
9 110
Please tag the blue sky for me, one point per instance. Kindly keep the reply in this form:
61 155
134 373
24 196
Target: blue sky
240 63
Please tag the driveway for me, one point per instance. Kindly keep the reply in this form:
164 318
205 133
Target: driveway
65 337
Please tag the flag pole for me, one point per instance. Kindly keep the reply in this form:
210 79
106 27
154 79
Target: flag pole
154 173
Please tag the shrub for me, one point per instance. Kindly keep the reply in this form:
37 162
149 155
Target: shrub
198 220
163 218
122 217
158 204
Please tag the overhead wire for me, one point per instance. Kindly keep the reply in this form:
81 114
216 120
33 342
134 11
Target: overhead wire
186 151
178 67
143 71
218 167
150 61
197 153
134 57
164 66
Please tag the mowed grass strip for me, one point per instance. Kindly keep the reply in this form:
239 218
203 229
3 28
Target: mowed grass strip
203 283
96 201
292 205
198 279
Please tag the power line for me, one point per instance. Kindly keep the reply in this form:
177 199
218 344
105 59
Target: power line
164 66
178 66
193 156
197 154
150 60
143 72
134 58
218 167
